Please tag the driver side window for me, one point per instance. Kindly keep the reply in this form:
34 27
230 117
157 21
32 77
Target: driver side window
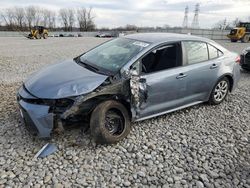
164 57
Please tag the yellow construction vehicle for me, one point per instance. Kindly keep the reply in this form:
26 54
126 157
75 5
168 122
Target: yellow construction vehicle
38 32
241 32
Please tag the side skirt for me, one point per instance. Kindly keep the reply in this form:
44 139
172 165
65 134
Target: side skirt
168 111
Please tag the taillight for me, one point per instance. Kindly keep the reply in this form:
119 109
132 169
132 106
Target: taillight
237 60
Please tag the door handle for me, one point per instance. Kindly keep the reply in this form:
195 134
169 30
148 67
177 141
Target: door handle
214 66
181 75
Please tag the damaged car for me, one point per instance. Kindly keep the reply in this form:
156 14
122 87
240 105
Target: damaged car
245 59
125 80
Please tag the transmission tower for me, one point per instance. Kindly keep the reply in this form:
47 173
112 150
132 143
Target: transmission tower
185 20
195 23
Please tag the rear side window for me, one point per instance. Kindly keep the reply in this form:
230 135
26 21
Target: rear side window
213 52
196 51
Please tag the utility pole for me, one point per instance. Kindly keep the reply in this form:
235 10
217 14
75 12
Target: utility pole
195 23
185 20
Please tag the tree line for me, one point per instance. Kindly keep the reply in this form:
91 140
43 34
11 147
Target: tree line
68 19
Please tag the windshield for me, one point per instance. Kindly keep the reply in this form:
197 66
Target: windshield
111 56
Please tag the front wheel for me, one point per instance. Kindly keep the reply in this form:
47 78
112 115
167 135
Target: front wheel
110 122
38 36
220 91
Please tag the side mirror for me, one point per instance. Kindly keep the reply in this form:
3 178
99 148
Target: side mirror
135 69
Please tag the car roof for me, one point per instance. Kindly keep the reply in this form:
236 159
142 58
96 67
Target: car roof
156 38
163 37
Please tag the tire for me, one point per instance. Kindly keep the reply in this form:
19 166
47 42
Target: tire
245 39
45 36
219 91
38 36
109 122
234 40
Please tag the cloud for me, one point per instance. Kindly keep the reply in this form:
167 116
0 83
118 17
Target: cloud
114 13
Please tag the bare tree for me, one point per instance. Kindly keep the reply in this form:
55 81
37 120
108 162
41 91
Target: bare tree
39 15
52 20
85 19
235 22
64 18
45 13
222 25
30 14
71 18
8 17
19 16
67 16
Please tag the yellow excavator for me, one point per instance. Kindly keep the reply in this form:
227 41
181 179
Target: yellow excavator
241 32
38 32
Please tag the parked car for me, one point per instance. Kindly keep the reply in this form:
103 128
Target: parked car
104 35
128 79
245 59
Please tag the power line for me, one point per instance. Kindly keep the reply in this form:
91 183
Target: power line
195 23
185 20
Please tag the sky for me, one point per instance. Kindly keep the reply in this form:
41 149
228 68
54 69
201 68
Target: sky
115 13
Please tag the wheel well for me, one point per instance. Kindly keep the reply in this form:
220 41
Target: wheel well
231 82
102 98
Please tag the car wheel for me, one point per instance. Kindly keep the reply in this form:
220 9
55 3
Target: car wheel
109 122
220 91
245 39
38 36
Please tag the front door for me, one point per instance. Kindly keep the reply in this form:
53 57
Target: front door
164 79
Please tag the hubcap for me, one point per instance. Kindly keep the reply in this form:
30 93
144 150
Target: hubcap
114 122
221 91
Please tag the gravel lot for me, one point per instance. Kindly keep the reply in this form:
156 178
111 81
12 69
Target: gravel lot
202 146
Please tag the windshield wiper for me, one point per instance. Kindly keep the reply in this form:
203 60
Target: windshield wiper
88 66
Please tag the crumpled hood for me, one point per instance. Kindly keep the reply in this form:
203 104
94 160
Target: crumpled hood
62 80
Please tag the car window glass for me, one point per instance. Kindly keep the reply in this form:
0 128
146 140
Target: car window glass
164 57
220 53
112 55
196 51
213 52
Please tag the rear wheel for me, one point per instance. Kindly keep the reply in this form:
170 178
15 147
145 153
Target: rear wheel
45 35
220 91
245 39
109 122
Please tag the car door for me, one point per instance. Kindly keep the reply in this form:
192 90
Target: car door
166 84
202 70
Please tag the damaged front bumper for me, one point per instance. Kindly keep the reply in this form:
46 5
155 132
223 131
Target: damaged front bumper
37 118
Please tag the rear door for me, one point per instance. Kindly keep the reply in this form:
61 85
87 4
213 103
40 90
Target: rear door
203 62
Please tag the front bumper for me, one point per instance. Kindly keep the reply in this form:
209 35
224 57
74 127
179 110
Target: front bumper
37 118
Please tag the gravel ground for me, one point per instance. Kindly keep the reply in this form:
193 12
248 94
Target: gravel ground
202 146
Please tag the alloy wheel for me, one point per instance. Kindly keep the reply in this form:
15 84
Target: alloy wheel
220 91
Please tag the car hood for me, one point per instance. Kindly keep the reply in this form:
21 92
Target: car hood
63 80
